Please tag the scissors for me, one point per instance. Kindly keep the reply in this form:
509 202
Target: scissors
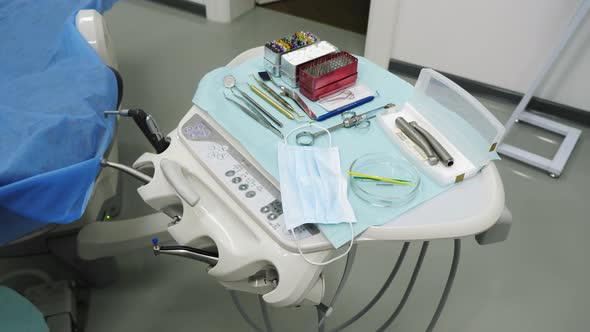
349 119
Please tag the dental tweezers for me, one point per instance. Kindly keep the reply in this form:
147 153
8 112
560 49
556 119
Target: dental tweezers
261 120
258 109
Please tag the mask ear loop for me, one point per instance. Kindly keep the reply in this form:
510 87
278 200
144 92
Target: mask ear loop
295 239
310 125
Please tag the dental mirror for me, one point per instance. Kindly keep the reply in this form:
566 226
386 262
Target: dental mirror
229 81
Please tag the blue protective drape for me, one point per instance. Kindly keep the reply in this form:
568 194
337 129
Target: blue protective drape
53 90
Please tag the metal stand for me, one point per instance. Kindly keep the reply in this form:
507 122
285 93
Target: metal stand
571 135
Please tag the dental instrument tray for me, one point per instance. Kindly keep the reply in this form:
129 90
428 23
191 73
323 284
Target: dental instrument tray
327 74
384 180
440 118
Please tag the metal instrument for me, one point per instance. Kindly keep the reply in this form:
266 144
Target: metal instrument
444 156
230 82
275 95
273 103
349 119
291 94
256 117
144 178
340 95
417 138
200 255
297 98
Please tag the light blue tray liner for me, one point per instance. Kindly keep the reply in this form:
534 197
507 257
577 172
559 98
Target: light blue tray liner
353 143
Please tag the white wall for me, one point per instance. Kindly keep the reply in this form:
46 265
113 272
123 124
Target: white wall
500 42
225 11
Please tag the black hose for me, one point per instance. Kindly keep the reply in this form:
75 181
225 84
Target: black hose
119 86
408 291
381 291
448 286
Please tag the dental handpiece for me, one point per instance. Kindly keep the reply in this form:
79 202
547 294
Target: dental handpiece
417 138
148 126
444 156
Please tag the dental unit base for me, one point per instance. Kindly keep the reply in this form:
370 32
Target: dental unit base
229 203
229 210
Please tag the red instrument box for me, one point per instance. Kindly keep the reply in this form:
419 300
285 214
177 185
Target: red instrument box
327 74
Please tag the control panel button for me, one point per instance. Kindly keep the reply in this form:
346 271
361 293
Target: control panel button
237 179
230 173
243 186
265 209
271 216
250 194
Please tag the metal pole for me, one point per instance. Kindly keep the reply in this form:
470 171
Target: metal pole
572 27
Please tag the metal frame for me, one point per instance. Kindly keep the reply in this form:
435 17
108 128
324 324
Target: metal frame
556 165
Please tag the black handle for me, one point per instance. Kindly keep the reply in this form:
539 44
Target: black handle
150 129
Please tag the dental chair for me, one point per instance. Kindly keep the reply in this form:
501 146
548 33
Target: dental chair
56 299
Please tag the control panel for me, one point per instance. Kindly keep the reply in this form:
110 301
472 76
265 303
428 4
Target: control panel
236 174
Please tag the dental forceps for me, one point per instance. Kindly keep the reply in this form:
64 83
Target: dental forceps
255 116
349 119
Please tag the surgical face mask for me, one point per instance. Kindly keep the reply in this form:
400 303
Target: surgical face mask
313 188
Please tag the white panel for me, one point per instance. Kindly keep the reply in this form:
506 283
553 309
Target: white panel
382 23
499 42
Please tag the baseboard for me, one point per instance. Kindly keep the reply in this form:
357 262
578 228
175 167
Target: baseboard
484 89
186 5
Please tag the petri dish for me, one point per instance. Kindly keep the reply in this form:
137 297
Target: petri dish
383 194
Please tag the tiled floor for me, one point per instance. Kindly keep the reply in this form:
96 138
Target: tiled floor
535 281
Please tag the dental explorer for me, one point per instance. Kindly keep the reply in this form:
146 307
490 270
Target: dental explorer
230 82
270 101
290 94
275 95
